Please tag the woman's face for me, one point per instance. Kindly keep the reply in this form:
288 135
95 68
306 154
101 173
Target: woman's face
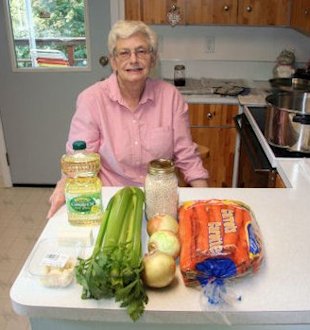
133 59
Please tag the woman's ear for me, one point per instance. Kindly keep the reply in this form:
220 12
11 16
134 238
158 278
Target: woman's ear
154 58
113 63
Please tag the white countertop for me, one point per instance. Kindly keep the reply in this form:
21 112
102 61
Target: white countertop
256 97
278 294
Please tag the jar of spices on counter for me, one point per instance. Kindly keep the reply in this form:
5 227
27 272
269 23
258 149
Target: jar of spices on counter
179 75
161 188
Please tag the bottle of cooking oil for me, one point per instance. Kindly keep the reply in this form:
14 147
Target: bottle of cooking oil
83 187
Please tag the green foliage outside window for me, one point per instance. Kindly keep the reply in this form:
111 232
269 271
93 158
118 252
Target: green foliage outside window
51 19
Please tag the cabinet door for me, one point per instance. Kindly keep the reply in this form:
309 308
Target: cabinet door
264 12
211 11
155 12
133 10
212 125
278 181
300 18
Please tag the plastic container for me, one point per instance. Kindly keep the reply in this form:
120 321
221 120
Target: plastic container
52 264
161 189
83 187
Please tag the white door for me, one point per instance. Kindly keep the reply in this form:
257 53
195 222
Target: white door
36 107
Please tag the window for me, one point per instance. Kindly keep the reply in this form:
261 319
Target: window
48 34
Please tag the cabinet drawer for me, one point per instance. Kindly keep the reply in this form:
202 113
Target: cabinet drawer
212 115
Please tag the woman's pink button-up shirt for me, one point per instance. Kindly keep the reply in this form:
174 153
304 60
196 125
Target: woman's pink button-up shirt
127 141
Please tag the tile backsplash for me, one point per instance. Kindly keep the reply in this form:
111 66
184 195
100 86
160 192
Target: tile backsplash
227 52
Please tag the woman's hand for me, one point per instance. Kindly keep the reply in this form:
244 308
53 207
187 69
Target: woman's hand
57 199
199 183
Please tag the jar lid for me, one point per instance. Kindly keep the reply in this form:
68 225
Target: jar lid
161 166
179 67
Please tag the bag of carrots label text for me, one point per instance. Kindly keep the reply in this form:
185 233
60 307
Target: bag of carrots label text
220 240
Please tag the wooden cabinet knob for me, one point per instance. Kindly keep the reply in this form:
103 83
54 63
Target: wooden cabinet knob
226 8
249 9
307 11
209 115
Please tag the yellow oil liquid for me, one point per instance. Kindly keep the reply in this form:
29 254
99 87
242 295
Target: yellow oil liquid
83 200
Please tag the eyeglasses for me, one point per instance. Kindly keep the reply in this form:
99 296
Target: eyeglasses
125 54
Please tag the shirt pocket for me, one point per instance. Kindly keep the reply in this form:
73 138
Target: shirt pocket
158 141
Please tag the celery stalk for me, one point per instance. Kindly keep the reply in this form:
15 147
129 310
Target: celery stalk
115 267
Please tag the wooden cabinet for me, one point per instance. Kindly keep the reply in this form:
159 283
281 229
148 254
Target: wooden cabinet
224 12
277 181
212 125
211 11
264 12
300 18
153 12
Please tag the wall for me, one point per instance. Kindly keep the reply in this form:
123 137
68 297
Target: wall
36 107
240 52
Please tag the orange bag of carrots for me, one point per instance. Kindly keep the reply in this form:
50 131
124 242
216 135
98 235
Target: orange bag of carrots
220 239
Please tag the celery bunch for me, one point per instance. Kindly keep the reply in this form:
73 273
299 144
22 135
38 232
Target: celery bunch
115 266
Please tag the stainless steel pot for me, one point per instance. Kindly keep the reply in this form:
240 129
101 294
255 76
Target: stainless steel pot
288 120
289 84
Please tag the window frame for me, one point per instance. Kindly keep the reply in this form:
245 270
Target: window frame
12 54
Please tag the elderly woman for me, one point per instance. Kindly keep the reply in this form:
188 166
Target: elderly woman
131 119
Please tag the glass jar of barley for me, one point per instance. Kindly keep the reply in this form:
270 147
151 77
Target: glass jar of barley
161 188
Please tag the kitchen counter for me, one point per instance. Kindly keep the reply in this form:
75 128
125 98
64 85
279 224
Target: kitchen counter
258 90
275 297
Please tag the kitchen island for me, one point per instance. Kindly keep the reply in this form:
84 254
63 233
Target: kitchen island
277 296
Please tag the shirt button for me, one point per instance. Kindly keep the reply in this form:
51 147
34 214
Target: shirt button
134 121
136 142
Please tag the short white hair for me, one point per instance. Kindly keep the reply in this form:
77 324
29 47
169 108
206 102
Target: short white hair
125 29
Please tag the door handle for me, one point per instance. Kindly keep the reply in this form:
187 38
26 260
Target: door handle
103 60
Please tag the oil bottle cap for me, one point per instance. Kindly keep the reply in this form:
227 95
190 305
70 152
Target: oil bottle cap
79 145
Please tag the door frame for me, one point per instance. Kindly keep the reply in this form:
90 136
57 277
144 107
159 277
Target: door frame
117 9
4 167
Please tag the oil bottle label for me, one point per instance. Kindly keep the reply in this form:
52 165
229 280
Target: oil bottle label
85 204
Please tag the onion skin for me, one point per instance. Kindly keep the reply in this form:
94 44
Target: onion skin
159 269
165 241
162 222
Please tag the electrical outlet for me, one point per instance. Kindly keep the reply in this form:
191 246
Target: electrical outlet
210 44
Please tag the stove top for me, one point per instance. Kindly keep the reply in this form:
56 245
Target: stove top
259 114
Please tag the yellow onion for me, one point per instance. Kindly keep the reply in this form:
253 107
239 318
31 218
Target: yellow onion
159 269
162 222
165 241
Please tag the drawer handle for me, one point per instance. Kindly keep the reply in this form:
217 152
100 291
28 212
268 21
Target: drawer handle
249 9
226 8
210 115
306 11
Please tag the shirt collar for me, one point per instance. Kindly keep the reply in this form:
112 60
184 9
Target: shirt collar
115 93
